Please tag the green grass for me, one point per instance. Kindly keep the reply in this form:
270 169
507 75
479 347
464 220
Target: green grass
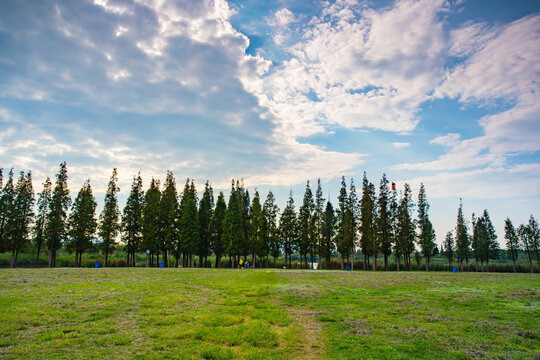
266 314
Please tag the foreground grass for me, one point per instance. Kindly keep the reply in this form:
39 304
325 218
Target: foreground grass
266 314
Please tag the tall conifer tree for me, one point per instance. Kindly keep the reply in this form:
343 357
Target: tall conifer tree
109 224
512 242
132 222
384 220
426 236
270 212
462 238
56 223
43 203
82 222
22 216
206 207
216 229
150 221
288 227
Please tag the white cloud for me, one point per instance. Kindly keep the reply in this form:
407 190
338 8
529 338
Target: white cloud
401 145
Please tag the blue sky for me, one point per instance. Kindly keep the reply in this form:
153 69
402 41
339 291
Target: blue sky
440 92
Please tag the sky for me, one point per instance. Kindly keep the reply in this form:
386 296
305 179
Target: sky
280 92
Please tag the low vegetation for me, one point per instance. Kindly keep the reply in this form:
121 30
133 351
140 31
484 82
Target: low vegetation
187 313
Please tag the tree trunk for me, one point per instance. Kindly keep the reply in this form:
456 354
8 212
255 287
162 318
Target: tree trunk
50 259
147 260
385 262
427 263
105 260
352 260
341 261
76 259
37 258
397 262
514 265
12 262
364 264
374 267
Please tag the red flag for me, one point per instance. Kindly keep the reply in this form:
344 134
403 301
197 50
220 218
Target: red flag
393 186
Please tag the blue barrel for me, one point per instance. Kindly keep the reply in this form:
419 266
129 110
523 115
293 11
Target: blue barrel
97 265
161 265
454 269
348 268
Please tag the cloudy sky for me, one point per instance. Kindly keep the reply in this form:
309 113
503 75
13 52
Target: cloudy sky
278 92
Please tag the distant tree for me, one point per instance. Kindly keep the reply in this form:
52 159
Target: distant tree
318 213
189 229
206 207
491 246
233 227
56 222
288 227
368 218
270 213
150 221
405 227
43 203
304 217
534 229
426 236
7 201
351 222
394 215
245 203
256 229
132 220
22 216
512 242
525 237
341 213
168 227
328 232
462 238
384 220
478 236
449 248
216 229
109 220
82 222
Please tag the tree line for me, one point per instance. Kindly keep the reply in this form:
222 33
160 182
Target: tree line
178 229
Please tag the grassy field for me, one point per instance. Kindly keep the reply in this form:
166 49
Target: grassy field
266 314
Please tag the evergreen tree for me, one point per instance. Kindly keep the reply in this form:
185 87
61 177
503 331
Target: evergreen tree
256 228
525 237
43 203
512 242
394 215
351 228
189 229
534 229
368 227
341 211
132 220
245 203
288 228
491 246
318 213
21 217
462 238
233 226
405 227
150 221
304 218
328 231
7 202
270 213
426 236
384 220
449 248
82 222
168 210
216 228
478 234
109 220
56 223
206 207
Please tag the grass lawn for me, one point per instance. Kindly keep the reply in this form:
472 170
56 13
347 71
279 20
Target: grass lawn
123 313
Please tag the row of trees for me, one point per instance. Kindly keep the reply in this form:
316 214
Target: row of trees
481 243
179 227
